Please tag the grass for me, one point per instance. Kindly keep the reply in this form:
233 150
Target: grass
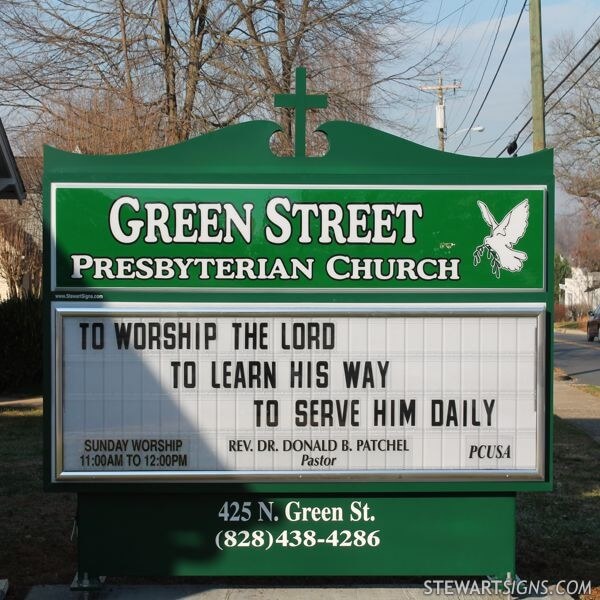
580 324
35 527
593 390
558 532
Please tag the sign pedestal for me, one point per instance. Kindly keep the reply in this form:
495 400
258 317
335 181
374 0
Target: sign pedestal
87 583
431 534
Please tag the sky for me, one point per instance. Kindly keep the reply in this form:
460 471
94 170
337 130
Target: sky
470 32
467 28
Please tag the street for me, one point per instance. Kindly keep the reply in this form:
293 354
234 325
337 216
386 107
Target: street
577 357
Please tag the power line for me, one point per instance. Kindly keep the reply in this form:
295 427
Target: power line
436 26
441 108
420 33
571 71
576 81
512 35
455 34
563 95
494 142
486 65
573 48
475 54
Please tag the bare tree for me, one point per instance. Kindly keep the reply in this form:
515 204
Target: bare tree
566 232
574 123
358 52
96 123
20 252
586 253
184 67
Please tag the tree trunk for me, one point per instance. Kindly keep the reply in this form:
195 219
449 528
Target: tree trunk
169 73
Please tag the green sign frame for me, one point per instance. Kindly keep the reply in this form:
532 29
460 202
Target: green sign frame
240 157
358 155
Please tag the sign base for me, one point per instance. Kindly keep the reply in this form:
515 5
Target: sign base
87 583
192 534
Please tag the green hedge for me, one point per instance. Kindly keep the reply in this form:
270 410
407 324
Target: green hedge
20 344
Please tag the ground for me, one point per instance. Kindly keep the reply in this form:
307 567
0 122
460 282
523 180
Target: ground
35 527
558 532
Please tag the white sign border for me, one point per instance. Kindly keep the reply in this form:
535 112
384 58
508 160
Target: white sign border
60 310
259 186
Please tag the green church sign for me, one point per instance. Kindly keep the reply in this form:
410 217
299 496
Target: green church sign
341 360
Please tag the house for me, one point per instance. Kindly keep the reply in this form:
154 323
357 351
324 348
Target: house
11 184
20 244
581 290
20 252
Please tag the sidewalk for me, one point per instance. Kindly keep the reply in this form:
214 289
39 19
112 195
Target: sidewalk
573 404
577 407
20 401
198 592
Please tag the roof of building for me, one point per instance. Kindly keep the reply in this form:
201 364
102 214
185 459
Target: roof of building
11 184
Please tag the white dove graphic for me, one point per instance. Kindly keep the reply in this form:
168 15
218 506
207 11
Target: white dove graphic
503 235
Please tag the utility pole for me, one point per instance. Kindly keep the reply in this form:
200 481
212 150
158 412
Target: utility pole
537 75
440 109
